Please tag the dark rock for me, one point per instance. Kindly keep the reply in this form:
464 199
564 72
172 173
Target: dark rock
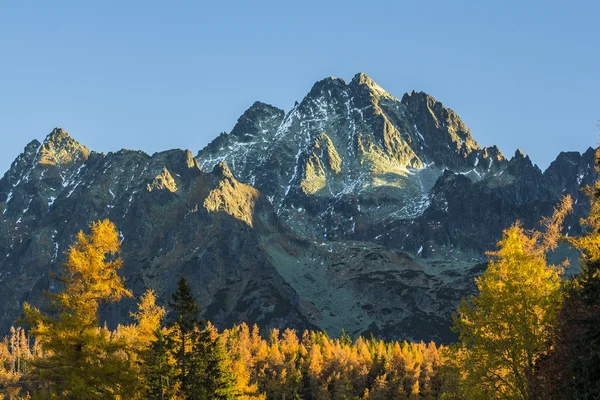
354 210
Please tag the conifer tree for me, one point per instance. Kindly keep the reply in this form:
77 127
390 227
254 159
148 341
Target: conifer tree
159 372
209 369
186 320
82 360
345 339
198 346
217 379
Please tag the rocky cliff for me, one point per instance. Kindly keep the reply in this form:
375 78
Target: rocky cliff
353 210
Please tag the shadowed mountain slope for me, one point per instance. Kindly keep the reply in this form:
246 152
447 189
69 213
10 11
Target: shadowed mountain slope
353 210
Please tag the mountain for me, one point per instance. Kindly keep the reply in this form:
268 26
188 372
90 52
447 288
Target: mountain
353 210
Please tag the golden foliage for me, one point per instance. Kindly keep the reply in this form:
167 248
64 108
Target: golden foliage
503 332
318 367
83 360
505 328
589 244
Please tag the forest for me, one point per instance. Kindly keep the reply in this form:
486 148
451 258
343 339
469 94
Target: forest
528 333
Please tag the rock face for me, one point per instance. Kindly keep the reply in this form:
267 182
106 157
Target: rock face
173 218
353 210
352 162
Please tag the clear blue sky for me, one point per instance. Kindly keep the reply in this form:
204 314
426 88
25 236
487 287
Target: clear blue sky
158 75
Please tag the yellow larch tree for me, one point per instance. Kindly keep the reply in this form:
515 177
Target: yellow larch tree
82 360
507 325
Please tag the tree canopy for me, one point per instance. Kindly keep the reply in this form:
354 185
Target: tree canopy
506 326
83 361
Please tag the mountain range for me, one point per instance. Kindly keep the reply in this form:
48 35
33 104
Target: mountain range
355 209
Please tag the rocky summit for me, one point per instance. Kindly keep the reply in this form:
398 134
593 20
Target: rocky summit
355 210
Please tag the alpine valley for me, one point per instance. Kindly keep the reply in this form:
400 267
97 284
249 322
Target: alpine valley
354 210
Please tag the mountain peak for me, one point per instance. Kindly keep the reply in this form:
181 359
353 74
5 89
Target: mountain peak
441 128
520 159
250 124
260 110
362 79
520 154
330 85
57 135
60 148
259 105
33 144
421 97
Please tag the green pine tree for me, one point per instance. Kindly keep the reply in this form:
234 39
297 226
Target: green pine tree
159 373
218 379
210 374
197 364
345 339
186 320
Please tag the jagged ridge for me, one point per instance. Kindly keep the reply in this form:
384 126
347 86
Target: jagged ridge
354 209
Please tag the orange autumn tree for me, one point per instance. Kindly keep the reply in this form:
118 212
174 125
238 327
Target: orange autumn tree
83 361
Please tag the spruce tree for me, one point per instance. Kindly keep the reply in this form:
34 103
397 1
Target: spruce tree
345 339
186 320
210 372
218 379
199 346
159 372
